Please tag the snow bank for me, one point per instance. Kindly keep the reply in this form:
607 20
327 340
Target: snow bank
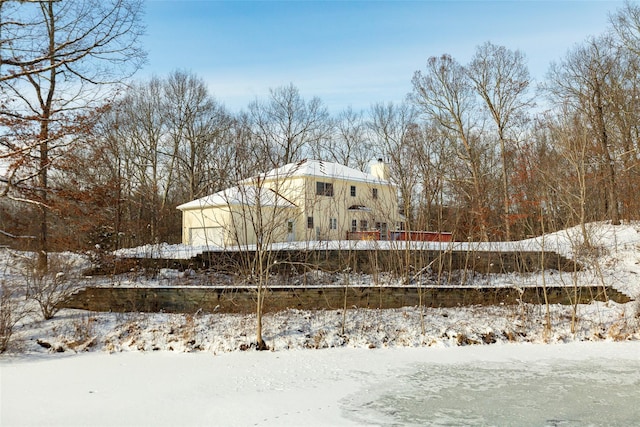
76 331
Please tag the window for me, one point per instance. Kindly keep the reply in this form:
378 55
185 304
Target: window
364 225
324 189
309 222
383 228
353 191
354 225
374 193
333 223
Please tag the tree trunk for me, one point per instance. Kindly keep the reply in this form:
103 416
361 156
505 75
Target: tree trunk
505 187
613 208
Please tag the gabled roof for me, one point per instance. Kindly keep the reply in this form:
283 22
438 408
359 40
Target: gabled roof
240 195
321 169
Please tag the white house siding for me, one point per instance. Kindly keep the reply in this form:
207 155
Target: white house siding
294 200
224 226
206 236
383 210
206 226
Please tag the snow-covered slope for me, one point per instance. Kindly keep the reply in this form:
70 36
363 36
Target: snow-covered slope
616 262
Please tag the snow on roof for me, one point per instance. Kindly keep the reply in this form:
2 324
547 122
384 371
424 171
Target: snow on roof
315 168
240 195
319 168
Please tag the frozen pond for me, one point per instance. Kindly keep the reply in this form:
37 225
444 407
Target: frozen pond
577 384
551 393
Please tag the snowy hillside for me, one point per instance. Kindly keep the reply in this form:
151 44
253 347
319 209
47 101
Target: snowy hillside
460 366
613 260
617 264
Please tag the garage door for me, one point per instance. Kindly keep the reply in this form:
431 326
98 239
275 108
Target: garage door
206 236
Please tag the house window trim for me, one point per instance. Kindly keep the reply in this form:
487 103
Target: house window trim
310 222
353 191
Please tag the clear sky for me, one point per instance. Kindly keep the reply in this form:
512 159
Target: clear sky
351 53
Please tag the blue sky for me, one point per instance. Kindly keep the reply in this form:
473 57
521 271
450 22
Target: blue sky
350 53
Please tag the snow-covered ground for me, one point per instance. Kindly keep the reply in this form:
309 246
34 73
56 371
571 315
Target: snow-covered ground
616 264
565 242
173 369
572 384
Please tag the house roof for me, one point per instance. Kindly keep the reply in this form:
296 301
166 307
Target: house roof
319 168
240 195
246 193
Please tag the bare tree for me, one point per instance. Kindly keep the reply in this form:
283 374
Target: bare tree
199 126
501 78
430 157
575 146
259 215
51 289
12 307
169 142
288 126
583 80
625 100
144 131
348 142
626 24
445 94
239 154
393 128
57 60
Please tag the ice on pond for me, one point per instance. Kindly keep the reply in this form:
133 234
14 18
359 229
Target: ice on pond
575 384
544 393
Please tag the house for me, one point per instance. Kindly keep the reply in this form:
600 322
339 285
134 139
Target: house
303 201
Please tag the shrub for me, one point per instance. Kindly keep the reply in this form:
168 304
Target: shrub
12 310
51 288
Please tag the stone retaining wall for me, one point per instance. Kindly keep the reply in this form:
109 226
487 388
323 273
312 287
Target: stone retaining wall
369 261
243 300
366 261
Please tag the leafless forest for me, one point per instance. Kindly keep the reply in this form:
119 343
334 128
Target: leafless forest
91 156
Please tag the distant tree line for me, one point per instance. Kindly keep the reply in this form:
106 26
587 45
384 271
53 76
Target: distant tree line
478 149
